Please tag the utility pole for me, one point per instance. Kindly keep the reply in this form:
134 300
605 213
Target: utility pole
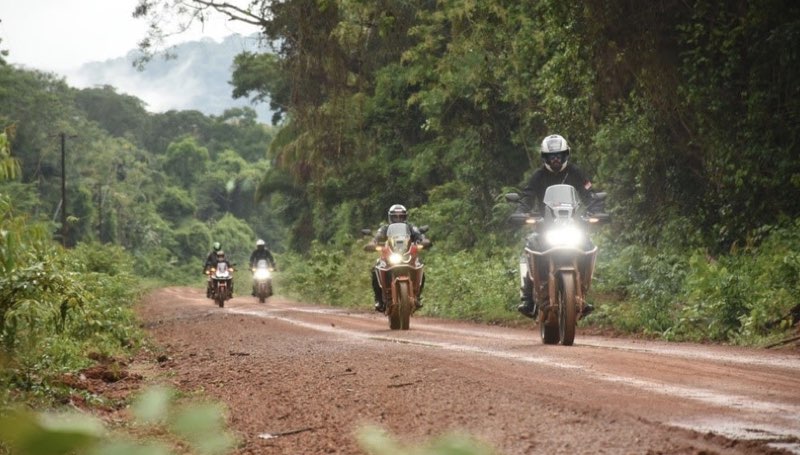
63 191
64 188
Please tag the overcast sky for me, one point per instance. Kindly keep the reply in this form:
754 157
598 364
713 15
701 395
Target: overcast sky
59 35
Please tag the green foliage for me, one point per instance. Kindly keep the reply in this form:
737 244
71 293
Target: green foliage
198 425
328 275
57 306
652 283
744 297
237 238
45 434
185 161
9 167
192 239
175 205
119 114
478 285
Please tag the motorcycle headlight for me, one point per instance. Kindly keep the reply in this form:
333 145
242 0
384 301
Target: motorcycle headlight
262 274
564 236
395 258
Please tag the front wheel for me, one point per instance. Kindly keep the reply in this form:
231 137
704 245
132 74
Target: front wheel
400 310
567 309
548 329
405 306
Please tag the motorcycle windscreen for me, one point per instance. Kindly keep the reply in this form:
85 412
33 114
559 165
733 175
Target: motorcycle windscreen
222 268
561 195
399 236
561 200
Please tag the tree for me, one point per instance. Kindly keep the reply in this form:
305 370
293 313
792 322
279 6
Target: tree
186 161
121 115
9 166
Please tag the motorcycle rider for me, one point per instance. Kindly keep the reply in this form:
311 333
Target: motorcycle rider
556 169
261 252
211 261
397 214
220 258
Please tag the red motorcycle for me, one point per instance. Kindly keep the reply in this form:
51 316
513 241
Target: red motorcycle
221 283
400 273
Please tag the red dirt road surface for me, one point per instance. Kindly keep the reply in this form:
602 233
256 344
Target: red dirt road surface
301 379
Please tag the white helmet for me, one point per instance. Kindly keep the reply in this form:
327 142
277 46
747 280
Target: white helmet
398 214
555 153
260 243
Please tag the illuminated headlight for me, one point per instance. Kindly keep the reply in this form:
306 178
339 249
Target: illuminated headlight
262 274
564 236
395 258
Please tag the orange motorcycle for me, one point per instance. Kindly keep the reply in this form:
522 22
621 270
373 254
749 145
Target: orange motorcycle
400 273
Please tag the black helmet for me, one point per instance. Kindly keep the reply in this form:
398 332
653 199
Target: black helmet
398 214
555 153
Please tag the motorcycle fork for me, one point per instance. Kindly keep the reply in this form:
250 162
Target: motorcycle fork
552 286
386 288
539 287
394 290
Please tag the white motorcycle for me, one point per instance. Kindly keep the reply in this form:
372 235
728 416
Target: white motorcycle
262 280
560 243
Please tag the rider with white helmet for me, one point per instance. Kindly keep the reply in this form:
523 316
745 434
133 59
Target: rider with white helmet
556 169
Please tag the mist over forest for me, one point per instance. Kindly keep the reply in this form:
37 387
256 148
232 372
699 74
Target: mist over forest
193 75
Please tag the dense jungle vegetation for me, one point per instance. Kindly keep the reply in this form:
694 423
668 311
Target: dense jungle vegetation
686 113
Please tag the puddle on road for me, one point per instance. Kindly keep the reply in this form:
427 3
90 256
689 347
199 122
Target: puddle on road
776 437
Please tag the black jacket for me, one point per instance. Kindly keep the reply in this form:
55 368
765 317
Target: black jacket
211 261
533 193
261 253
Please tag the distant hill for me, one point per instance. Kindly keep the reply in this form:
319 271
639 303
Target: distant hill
196 79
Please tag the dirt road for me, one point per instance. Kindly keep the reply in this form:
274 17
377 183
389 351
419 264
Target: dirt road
300 379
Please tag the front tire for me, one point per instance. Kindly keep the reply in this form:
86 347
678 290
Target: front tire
567 309
548 330
400 310
405 307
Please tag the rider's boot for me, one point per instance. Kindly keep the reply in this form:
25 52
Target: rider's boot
541 298
527 308
587 309
379 306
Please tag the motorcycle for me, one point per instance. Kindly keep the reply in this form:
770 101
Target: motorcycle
262 280
221 283
400 273
560 243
